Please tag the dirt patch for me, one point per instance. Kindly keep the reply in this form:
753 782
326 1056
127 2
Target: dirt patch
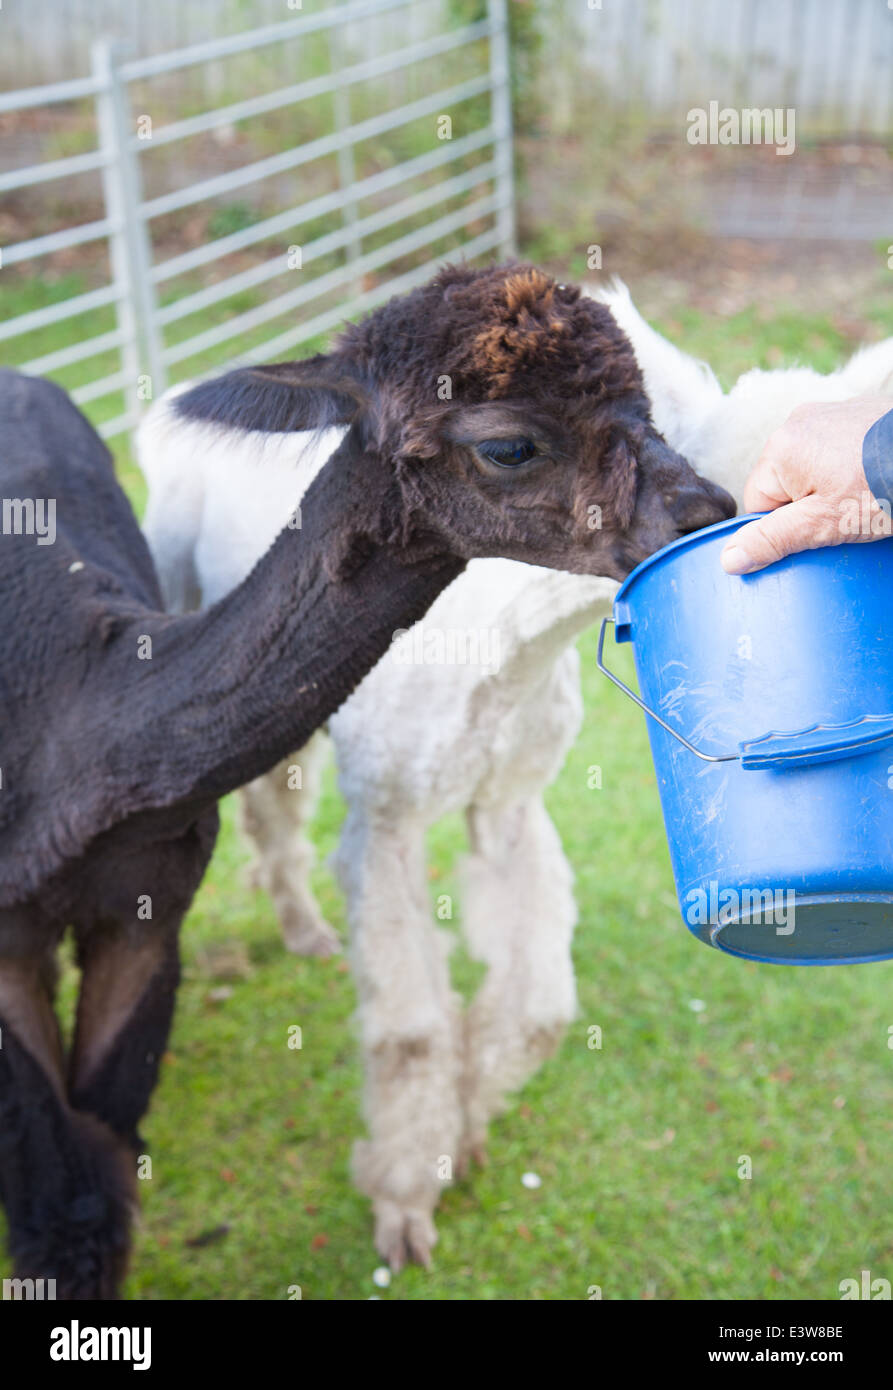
663 217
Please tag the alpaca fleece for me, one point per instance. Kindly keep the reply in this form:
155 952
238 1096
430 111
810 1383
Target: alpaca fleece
121 726
418 742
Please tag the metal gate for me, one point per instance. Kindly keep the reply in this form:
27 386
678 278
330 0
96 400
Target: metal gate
471 175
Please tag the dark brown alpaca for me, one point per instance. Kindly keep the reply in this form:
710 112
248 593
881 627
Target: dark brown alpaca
120 727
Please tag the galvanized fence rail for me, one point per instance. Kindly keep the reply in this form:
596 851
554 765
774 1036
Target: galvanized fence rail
829 58
484 219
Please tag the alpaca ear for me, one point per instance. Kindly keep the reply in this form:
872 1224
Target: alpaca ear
276 399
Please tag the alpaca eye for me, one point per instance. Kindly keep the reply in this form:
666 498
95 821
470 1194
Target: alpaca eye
508 453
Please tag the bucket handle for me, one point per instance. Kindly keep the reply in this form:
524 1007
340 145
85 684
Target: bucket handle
820 743
600 660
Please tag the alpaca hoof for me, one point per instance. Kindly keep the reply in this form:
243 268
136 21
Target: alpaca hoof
306 935
81 1239
403 1235
472 1154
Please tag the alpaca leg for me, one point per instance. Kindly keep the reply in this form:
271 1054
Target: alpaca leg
65 1180
129 980
275 816
408 1018
519 916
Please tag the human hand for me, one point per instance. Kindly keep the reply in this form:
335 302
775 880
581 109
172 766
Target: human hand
810 481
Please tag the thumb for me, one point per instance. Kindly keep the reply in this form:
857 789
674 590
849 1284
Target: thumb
801 525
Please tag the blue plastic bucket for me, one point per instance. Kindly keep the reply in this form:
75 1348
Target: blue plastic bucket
770 703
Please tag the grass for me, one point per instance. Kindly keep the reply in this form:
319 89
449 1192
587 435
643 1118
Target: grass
786 337
638 1144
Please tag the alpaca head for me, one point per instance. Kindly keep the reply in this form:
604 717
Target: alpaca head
490 412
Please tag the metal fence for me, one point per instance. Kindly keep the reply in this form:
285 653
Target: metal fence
828 58
44 41
470 176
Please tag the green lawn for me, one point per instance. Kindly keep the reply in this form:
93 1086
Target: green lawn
638 1145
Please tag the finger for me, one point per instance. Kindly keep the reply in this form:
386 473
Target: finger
802 525
764 490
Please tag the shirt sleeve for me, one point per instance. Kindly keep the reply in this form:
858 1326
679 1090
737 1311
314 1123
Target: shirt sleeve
877 458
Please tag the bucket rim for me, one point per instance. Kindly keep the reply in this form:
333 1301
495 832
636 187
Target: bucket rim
731 523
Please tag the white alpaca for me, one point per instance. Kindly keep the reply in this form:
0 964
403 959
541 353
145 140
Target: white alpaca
417 741
723 435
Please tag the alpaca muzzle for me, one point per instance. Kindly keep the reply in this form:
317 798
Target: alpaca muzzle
672 501
701 505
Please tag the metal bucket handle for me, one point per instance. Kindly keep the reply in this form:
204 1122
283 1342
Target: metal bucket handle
819 743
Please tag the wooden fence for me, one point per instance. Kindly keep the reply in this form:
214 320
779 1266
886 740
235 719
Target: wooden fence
832 60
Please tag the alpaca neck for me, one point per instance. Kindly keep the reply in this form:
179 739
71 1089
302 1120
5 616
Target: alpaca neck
232 691
547 615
